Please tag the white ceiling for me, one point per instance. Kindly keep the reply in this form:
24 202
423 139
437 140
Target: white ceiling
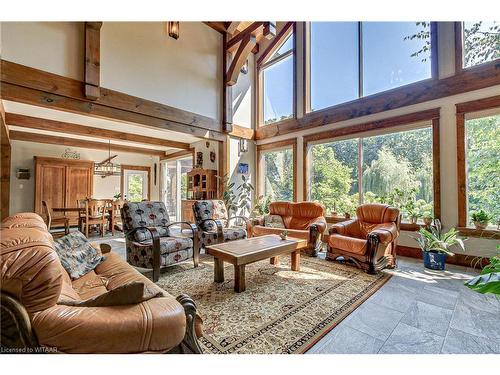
51 114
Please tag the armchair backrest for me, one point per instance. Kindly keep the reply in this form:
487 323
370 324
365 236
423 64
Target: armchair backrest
297 215
31 271
377 213
209 209
144 214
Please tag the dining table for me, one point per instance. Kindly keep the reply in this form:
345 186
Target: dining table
82 210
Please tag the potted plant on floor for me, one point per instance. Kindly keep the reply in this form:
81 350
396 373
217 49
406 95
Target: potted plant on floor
436 244
481 219
489 279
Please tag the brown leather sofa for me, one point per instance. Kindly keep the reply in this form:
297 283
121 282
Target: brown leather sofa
369 240
34 283
302 220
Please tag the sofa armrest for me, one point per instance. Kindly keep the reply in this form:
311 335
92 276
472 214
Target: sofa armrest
385 234
156 248
343 227
319 223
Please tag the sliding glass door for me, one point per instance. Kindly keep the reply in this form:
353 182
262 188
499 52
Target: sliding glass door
174 184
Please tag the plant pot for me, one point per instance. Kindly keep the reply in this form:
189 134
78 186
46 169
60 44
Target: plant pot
427 221
481 225
434 260
413 220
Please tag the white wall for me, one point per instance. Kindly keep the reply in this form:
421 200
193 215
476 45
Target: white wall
201 146
138 58
22 192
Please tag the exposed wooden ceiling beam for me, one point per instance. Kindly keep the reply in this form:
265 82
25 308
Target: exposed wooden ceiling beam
241 55
69 128
92 59
217 26
280 37
231 27
253 29
4 130
71 142
269 30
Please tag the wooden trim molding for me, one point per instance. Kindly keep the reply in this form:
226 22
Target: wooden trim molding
387 123
72 142
461 110
459 57
179 154
276 146
134 168
69 128
36 87
475 78
5 166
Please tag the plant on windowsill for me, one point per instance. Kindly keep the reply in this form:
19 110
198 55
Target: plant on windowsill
427 218
480 219
488 281
260 206
436 244
117 196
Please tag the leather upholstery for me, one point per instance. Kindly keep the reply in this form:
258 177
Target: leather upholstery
299 219
32 273
368 238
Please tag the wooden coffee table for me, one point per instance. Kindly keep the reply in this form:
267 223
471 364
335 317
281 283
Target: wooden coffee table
242 252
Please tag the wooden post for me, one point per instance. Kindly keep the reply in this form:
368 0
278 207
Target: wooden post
227 91
92 59
5 159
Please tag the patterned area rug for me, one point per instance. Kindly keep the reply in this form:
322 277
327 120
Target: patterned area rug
281 311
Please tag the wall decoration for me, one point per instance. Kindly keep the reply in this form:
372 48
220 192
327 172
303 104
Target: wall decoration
243 168
70 154
199 159
212 156
154 174
23 173
207 144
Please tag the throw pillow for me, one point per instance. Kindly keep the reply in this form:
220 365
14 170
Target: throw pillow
274 221
128 294
77 255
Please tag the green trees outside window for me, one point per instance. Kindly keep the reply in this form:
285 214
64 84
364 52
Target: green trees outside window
278 175
396 169
483 166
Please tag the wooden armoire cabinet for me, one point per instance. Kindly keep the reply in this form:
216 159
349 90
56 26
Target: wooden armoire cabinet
61 182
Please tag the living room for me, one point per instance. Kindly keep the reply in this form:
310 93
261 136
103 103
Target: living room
327 185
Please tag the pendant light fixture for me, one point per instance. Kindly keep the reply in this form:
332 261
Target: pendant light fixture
173 29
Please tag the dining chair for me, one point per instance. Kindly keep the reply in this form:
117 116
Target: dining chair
95 213
115 214
80 203
54 221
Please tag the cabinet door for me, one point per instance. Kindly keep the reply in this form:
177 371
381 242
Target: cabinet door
50 186
78 184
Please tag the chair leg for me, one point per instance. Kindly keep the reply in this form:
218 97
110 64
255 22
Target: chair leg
86 229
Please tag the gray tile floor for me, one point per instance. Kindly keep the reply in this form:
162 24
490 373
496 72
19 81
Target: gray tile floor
416 311
419 311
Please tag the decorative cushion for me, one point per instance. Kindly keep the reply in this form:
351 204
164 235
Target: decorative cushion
128 294
145 214
77 255
274 221
213 209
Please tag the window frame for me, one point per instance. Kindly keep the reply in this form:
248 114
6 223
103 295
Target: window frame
262 63
459 51
462 109
358 130
306 63
272 147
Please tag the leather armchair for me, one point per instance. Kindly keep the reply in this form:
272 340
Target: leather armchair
304 220
149 239
34 286
369 240
214 224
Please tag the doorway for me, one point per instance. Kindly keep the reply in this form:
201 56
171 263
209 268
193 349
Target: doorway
174 184
135 183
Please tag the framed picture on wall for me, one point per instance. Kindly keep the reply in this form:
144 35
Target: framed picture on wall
243 168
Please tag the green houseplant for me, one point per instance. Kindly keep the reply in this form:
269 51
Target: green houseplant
427 218
489 279
261 206
436 245
480 219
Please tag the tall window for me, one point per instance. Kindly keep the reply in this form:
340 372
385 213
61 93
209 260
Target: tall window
482 147
391 172
480 42
174 187
277 82
350 60
277 174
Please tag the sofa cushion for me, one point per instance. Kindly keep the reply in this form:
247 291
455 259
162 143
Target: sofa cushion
348 244
274 221
77 255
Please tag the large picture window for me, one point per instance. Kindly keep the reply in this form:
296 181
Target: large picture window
380 168
278 84
276 170
479 43
350 60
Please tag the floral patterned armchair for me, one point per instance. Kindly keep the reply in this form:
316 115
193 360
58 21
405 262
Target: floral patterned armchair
213 222
149 241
